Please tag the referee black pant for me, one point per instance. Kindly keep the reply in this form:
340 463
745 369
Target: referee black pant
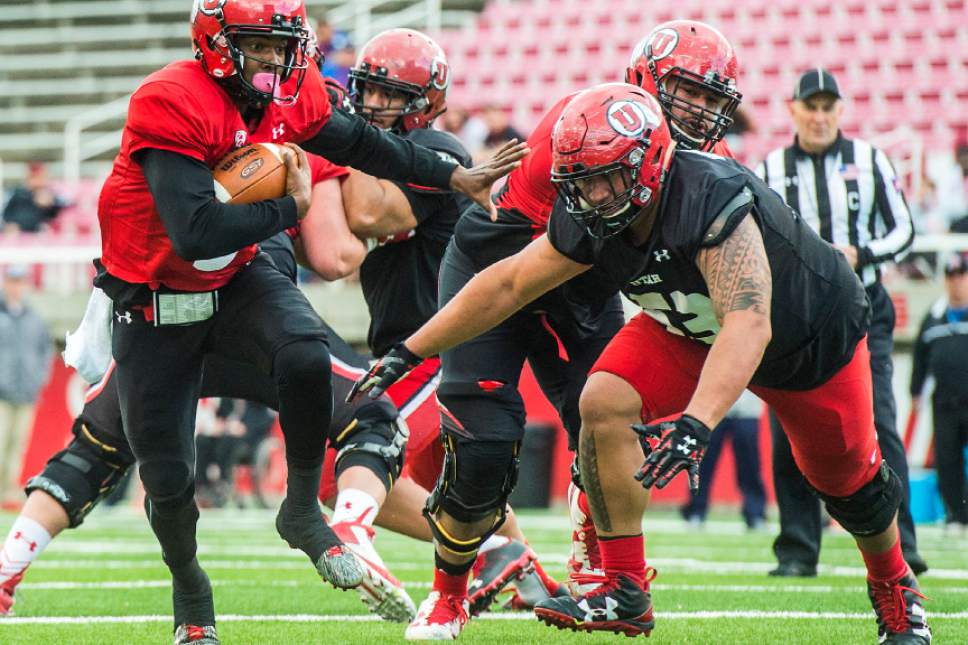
950 439
800 528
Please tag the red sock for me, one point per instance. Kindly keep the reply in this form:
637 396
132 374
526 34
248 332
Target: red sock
550 583
625 555
889 565
450 585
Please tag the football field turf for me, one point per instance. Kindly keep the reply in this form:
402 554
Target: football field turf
105 584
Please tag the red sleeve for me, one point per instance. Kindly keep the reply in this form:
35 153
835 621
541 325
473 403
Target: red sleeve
323 169
168 117
311 110
721 148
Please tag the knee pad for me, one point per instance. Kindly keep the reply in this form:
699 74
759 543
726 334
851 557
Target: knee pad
871 509
376 439
483 410
475 483
169 483
300 363
82 474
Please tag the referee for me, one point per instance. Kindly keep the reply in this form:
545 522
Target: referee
848 192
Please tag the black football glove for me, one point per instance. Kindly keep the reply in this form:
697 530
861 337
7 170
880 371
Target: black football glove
392 367
682 448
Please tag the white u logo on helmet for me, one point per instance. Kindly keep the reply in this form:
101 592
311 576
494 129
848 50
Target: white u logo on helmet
630 118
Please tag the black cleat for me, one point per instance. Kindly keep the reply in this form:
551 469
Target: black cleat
620 606
794 569
495 569
311 535
196 635
916 562
900 613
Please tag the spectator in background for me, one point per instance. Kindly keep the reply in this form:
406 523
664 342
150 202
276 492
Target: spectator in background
742 424
470 129
25 353
338 51
737 131
32 205
499 129
941 351
951 192
849 193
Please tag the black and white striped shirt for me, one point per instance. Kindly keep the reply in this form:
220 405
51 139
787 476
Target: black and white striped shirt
850 195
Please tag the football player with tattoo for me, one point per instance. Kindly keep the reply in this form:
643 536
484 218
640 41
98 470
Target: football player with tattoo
185 278
736 291
693 68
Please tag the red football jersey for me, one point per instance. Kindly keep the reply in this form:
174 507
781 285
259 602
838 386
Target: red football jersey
529 189
182 109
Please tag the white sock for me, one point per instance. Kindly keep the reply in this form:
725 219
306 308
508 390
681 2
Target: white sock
354 505
26 540
493 542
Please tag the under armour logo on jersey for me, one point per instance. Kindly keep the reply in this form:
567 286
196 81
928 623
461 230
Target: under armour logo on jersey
278 131
662 255
126 318
599 613
686 446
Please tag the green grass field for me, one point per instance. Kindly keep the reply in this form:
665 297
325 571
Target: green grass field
105 584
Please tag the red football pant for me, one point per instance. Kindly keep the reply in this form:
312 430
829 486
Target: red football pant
831 427
414 397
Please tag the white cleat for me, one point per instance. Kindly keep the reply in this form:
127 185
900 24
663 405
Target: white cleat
382 593
440 618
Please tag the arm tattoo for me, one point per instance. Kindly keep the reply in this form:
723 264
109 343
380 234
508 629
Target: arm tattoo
588 458
737 272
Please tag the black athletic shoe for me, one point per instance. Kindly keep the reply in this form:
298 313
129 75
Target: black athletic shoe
794 569
900 613
494 569
620 606
916 562
310 534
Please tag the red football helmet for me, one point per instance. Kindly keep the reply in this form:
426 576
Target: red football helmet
677 63
218 24
404 63
610 150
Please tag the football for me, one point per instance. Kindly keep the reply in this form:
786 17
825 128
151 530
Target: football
251 174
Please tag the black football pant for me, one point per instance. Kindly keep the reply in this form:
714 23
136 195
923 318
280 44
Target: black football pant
950 439
479 384
264 320
800 528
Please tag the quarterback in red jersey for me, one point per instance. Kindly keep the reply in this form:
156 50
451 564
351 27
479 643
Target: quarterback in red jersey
186 279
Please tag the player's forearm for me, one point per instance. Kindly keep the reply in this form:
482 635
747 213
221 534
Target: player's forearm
730 364
330 248
373 210
484 302
199 226
348 140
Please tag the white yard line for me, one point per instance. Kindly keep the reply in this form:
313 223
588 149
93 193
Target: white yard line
361 618
677 565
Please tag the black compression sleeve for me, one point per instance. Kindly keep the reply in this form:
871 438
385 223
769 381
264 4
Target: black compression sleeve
201 227
348 140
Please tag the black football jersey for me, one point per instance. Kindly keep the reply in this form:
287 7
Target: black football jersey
819 309
399 277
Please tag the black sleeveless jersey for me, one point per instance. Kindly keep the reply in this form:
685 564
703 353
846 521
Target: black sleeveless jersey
399 277
819 309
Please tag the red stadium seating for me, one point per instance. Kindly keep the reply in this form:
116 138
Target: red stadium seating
899 62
